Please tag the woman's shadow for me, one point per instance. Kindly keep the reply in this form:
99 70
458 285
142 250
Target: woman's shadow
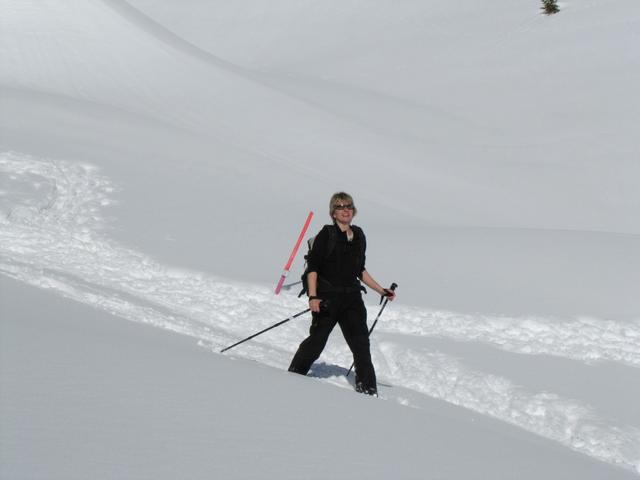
326 370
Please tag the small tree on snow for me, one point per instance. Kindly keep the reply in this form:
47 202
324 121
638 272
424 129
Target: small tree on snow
549 7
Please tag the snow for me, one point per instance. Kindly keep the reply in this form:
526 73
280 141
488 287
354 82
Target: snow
157 161
134 402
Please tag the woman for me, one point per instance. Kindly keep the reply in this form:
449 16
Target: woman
336 266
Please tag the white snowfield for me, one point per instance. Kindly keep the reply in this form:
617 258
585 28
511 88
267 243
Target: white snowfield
54 240
156 160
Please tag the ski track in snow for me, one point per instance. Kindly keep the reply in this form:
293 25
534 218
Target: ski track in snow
584 339
53 236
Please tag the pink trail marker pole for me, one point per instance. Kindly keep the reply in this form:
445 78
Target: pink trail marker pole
285 272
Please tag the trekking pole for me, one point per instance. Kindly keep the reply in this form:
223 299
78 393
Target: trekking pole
386 300
266 330
289 285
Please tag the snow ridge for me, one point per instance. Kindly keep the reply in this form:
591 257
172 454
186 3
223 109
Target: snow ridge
52 235
567 421
584 339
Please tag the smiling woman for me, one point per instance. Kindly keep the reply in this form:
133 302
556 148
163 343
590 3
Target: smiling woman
336 268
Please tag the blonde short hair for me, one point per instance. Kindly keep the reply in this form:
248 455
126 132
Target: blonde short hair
340 197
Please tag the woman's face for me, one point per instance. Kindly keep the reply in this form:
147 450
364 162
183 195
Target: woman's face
343 212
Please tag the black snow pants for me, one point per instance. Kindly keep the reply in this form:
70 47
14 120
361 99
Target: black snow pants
348 311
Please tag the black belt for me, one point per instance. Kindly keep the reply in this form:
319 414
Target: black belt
351 289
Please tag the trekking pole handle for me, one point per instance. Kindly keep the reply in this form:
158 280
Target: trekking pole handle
385 291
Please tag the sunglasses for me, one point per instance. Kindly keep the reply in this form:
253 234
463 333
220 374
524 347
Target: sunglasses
348 206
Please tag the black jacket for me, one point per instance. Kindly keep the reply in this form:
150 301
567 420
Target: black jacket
338 262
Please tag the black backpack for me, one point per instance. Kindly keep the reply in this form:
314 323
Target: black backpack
331 245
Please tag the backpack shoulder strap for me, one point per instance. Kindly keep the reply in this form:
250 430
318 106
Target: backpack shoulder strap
360 234
358 230
331 240
331 243
362 241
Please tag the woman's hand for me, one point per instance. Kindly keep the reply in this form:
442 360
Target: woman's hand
314 304
389 294
376 287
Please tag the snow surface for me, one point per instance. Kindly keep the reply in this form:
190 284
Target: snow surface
157 160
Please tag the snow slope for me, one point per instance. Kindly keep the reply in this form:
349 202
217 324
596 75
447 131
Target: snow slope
533 117
143 159
163 101
135 402
54 242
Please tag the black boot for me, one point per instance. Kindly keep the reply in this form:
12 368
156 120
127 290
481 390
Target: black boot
361 388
